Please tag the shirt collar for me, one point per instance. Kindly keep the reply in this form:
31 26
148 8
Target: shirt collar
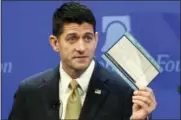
83 80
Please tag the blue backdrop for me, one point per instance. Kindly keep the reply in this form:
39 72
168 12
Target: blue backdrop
26 27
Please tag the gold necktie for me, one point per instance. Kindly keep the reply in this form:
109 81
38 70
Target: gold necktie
74 102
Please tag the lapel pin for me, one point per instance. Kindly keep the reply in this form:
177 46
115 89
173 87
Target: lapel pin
97 91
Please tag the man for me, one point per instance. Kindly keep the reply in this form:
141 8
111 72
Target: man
79 87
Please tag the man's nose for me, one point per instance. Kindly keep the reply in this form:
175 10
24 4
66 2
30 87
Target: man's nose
80 46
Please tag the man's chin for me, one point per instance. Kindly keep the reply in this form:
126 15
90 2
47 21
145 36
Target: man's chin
81 66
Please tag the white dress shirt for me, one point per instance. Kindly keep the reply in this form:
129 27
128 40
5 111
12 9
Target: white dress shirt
64 91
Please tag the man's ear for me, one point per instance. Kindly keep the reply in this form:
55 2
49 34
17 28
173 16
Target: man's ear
54 43
96 38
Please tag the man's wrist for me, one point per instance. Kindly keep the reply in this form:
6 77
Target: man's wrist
135 118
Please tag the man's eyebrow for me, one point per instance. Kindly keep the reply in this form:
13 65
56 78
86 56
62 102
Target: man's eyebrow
89 33
71 34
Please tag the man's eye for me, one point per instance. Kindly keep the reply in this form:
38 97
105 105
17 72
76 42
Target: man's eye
72 38
88 38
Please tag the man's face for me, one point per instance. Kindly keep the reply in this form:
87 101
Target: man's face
77 45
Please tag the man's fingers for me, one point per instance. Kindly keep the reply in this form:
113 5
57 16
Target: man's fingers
142 105
145 94
143 99
146 89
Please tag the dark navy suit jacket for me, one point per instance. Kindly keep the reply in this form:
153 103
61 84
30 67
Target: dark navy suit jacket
37 97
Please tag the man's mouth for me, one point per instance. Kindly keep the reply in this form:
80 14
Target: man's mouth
81 57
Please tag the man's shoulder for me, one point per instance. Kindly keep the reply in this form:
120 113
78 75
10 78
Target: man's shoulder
114 81
34 81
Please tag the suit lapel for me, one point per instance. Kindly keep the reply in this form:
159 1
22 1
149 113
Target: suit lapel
50 94
96 95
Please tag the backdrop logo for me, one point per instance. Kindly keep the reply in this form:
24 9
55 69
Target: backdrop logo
167 63
6 67
114 27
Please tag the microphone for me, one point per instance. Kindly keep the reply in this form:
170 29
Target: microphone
57 105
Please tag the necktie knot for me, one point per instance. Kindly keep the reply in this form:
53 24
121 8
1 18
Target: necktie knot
73 84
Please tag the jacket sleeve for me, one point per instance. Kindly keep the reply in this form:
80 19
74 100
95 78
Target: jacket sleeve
18 111
127 112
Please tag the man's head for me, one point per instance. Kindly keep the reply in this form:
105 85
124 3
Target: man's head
73 35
